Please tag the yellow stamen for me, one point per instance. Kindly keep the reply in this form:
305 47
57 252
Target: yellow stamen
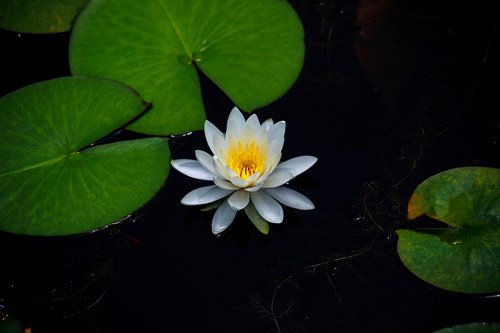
246 160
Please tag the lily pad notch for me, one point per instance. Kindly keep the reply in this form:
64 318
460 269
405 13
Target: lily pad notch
464 256
53 180
253 50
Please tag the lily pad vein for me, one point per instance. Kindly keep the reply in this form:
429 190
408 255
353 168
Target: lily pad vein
175 27
34 166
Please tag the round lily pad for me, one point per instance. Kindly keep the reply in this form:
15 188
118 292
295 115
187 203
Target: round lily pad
252 49
53 180
39 16
465 256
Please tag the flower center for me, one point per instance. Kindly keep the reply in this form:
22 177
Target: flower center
246 160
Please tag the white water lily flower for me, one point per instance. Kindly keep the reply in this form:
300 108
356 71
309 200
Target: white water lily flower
246 171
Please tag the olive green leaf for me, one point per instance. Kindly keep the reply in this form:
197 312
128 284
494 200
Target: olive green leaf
464 257
39 16
257 220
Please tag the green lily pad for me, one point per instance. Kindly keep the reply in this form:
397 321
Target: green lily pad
472 328
53 181
39 16
465 257
253 50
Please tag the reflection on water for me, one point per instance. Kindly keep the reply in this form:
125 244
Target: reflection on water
391 93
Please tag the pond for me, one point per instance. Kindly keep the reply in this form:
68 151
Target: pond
390 94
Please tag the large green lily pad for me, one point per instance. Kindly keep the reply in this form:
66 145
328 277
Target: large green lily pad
465 257
39 16
252 49
53 181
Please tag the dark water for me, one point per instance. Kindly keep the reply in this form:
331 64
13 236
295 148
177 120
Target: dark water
390 94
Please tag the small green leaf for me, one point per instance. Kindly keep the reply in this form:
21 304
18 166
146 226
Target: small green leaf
252 49
466 257
51 181
39 16
472 328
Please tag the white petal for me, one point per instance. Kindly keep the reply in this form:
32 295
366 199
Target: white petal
193 169
277 131
290 198
248 134
239 200
220 148
254 188
278 178
221 169
210 132
236 116
235 122
261 138
204 195
253 123
231 173
206 160
297 165
224 184
271 164
231 142
241 183
223 217
253 178
275 147
268 208
267 124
